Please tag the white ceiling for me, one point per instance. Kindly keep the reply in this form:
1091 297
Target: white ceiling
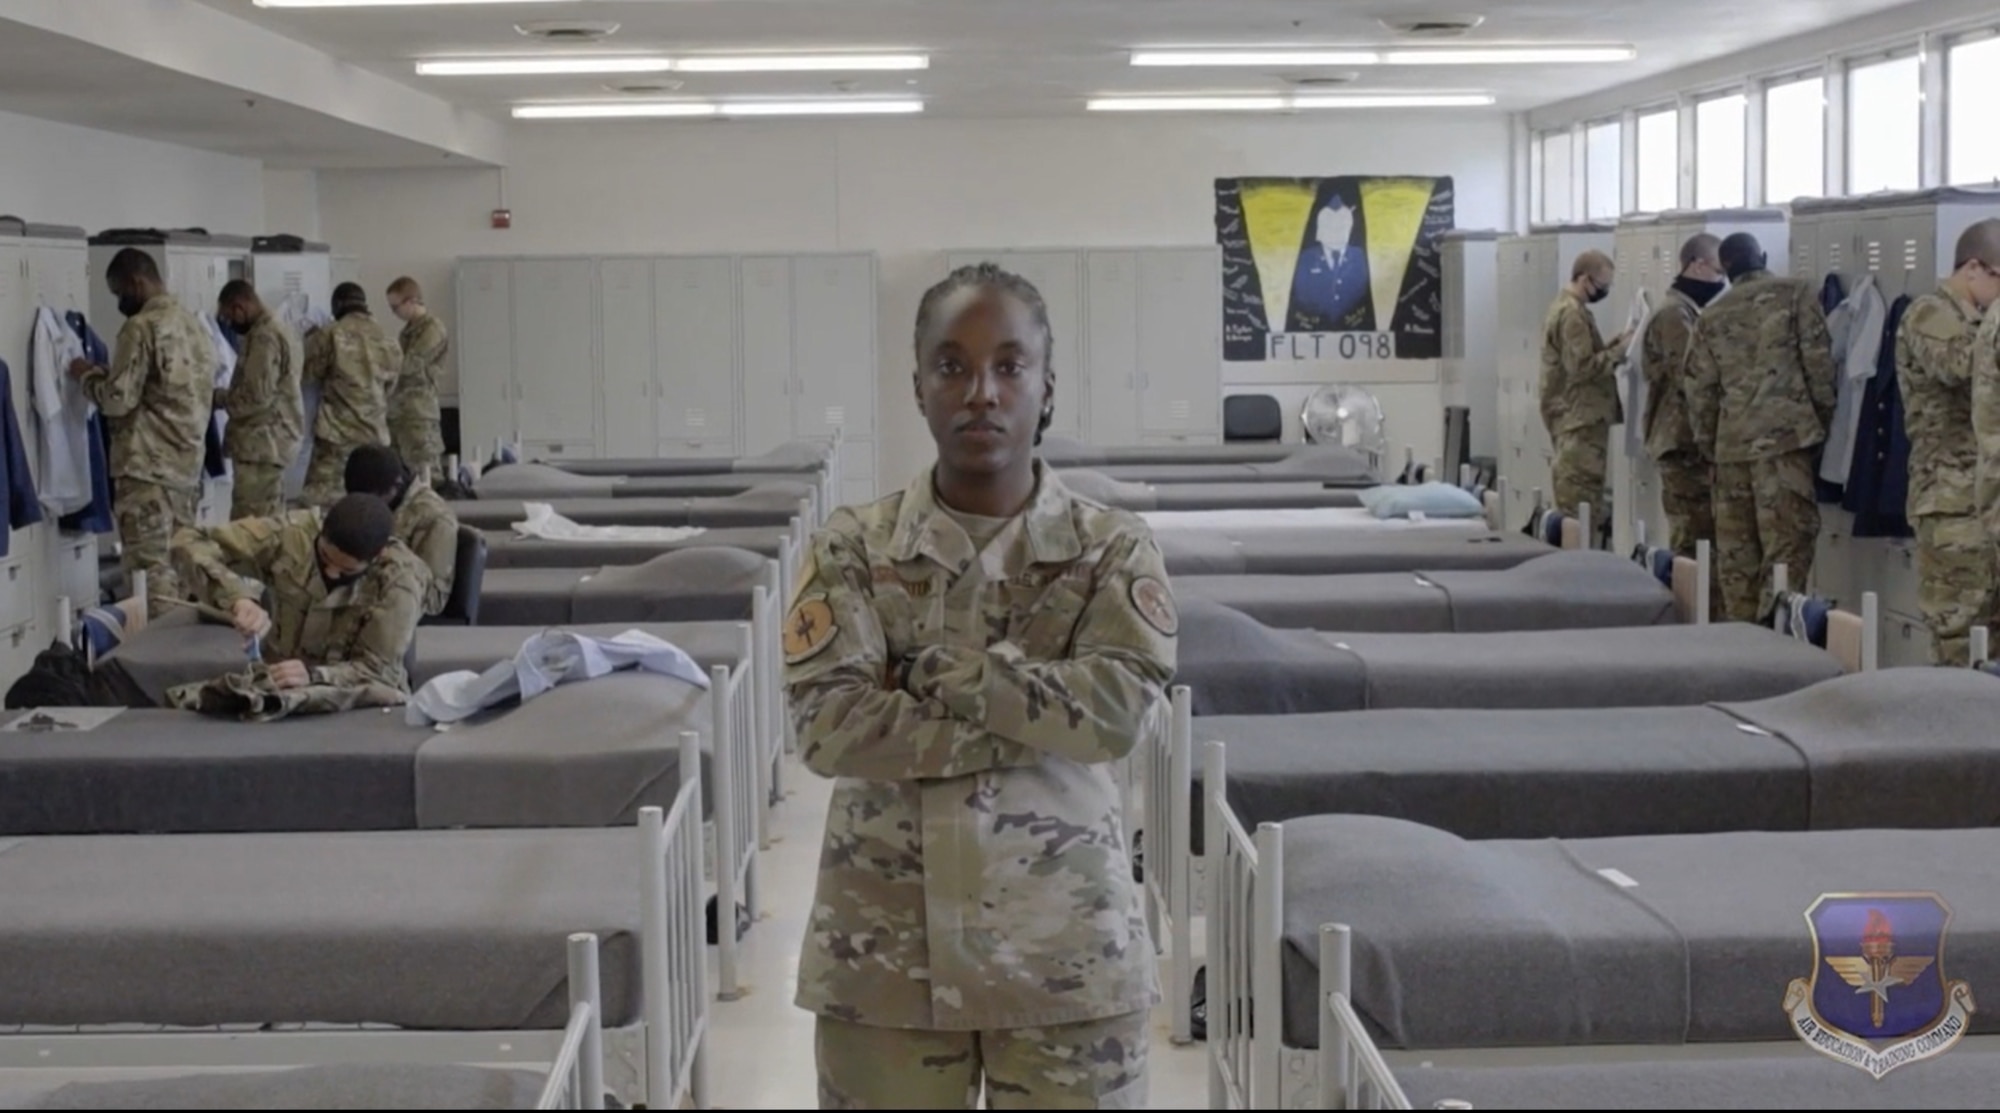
1041 57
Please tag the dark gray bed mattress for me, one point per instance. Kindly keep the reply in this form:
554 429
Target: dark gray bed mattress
1523 943
1314 465
460 930
693 585
180 650
541 482
343 1086
1893 748
1333 552
584 755
1062 452
1805 1079
506 549
792 458
1559 591
1145 498
1239 666
774 504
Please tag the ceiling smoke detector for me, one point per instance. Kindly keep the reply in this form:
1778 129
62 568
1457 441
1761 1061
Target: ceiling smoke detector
644 88
1324 80
565 31
1436 27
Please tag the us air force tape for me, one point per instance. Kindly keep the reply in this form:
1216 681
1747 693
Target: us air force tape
809 629
1155 604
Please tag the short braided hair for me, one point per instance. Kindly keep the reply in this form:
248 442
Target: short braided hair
991 276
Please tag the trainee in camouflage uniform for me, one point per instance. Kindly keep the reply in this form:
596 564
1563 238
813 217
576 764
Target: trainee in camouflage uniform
266 415
1937 350
1579 389
970 700
354 365
414 412
1685 483
351 634
1760 394
156 397
425 523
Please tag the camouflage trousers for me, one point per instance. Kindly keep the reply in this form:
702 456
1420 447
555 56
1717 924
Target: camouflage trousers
1582 465
1099 1064
148 517
1765 515
421 445
257 491
326 473
1689 500
1955 583
250 696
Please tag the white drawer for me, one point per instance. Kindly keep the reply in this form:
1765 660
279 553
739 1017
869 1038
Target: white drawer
17 591
559 450
1906 641
76 569
18 647
1899 578
715 447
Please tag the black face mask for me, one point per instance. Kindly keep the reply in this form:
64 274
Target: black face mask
1699 292
1598 293
334 583
130 305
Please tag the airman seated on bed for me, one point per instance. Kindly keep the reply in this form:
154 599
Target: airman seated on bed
345 598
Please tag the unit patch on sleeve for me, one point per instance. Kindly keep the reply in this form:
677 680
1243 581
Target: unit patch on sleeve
1155 604
809 629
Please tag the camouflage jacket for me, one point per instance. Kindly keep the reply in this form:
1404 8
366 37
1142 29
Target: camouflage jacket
1664 351
266 415
354 365
970 706
157 396
1935 350
352 637
1579 373
427 527
1760 375
1986 422
415 397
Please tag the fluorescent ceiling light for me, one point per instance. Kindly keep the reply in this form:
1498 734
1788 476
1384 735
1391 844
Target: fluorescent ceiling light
801 63
501 67
387 3
1255 58
1396 100
672 109
1336 56
824 108
701 109
1519 56
1189 104
1281 104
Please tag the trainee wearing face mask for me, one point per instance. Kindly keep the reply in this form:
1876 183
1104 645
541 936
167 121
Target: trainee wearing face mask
1599 291
130 305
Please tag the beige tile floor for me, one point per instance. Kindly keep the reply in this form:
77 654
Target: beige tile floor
761 1049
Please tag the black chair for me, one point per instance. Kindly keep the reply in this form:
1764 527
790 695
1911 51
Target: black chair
468 576
1252 418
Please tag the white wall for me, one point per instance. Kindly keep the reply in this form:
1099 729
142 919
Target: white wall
58 174
907 189
291 203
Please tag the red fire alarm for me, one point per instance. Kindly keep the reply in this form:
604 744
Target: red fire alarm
503 218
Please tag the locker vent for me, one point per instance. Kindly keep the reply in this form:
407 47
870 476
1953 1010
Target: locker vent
295 283
836 417
1179 409
1909 256
1833 256
697 419
1875 255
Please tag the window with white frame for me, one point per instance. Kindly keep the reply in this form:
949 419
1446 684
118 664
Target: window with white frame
1972 85
1558 201
1659 161
1884 117
1718 152
1794 140
1601 171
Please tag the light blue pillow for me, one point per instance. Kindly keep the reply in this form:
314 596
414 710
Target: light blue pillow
1432 500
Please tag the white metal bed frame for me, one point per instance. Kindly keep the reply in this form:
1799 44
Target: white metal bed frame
659 1060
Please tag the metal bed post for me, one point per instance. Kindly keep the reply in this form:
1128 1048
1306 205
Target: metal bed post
1465 476
1267 980
694 958
1781 580
1171 835
728 830
1501 524
1583 524
139 594
66 619
655 928
1336 980
763 724
1871 631
743 722
583 975
1981 646
1704 571
1215 976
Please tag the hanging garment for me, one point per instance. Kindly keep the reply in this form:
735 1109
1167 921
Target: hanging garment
546 660
1834 291
1878 484
95 517
62 411
24 505
1632 376
214 462
1857 326
545 523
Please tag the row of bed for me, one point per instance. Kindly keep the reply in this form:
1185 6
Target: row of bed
265 877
